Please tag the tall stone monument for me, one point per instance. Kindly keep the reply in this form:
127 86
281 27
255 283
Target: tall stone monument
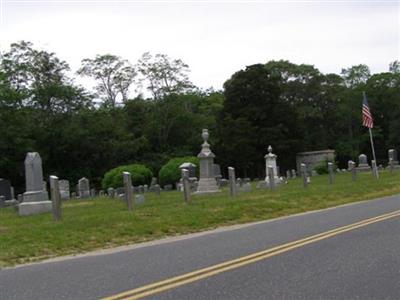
270 162
35 199
207 182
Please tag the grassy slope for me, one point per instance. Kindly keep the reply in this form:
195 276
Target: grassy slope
102 222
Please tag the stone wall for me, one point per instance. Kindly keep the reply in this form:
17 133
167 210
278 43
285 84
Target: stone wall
313 158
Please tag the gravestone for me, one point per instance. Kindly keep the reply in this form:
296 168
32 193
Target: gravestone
303 170
64 189
246 187
232 182
5 189
207 182
157 189
223 182
352 168
141 189
110 192
55 197
168 187
128 189
330 171
119 191
294 174
83 188
288 174
392 153
139 199
374 169
35 200
93 193
145 188
270 162
190 167
2 201
363 165
217 173
271 178
101 193
152 184
185 184
262 184
73 195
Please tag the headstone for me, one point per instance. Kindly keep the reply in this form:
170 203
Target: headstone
145 188
262 184
232 182
294 174
330 171
374 169
139 199
270 162
64 189
314 173
110 192
93 193
157 189
141 189
239 181
2 201
128 189
353 170
363 164
246 187
246 180
168 187
101 193
152 184
391 165
190 167
55 197
35 200
223 182
207 182
392 153
83 188
119 190
217 173
136 189
271 178
288 174
303 169
185 184
5 189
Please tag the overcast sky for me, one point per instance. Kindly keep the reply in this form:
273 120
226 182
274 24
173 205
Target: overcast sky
215 38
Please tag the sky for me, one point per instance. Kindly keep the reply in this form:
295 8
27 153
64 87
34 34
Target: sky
215 38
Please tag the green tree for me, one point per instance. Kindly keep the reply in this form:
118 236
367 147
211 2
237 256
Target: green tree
114 76
163 76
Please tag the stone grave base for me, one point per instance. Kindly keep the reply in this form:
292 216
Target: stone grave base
33 208
11 202
364 169
206 186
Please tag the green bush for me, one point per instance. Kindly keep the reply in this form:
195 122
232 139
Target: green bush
170 173
140 175
322 167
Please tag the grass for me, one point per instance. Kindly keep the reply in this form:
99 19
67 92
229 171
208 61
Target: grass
103 223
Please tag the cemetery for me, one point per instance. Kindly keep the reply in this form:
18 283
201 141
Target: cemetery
41 224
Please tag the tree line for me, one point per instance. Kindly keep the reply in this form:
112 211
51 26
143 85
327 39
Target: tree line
293 107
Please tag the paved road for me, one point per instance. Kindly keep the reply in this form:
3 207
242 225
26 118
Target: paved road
363 263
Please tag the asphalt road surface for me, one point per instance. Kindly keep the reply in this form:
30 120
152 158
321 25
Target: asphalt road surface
348 252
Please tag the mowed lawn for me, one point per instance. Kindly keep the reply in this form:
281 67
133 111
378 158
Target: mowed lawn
103 222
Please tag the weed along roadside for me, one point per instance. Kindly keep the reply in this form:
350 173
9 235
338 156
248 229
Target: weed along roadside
104 222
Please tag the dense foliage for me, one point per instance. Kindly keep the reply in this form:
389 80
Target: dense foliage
139 173
170 172
292 107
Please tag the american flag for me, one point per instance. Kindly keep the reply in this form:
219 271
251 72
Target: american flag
366 114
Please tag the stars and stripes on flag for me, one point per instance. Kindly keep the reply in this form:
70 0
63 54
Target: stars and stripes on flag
366 114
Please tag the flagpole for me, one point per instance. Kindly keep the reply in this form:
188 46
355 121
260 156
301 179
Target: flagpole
372 146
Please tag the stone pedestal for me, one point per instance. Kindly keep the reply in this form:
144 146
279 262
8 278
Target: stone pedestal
270 162
207 182
35 199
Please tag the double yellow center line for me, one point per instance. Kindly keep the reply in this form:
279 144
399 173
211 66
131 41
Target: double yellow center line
174 282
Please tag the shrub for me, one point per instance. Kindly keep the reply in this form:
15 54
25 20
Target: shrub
140 175
170 173
322 167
